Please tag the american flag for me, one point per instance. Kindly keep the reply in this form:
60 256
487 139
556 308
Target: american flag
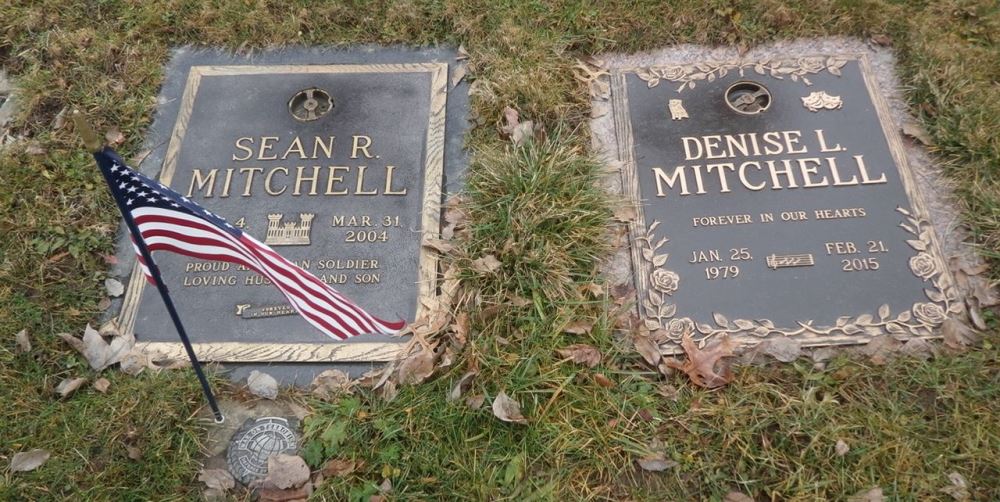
168 221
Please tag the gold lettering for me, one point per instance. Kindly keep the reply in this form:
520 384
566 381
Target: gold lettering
865 180
296 146
772 138
267 181
837 182
266 146
299 179
722 174
807 171
327 149
245 148
687 148
743 176
792 138
697 179
356 146
710 143
331 179
662 177
732 145
251 172
201 181
822 143
359 190
228 183
787 172
388 182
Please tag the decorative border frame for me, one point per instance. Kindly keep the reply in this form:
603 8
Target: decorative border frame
430 224
654 284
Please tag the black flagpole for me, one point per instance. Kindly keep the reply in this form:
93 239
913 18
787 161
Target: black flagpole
94 144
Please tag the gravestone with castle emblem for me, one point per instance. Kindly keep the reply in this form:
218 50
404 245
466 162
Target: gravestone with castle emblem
338 159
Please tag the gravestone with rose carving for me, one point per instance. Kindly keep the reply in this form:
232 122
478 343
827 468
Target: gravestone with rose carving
774 199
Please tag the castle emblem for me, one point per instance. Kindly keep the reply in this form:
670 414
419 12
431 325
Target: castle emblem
289 233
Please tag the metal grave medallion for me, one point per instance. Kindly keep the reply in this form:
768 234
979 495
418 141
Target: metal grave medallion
774 199
255 442
339 166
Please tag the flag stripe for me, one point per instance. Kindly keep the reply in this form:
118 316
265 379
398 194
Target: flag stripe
162 239
263 265
197 242
318 319
167 221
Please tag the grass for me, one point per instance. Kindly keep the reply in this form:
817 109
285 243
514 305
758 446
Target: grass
770 433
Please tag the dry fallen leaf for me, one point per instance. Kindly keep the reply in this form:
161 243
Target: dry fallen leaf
596 290
462 385
625 214
881 349
873 494
389 391
331 383
783 349
958 489
475 401
133 452
114 287
101 385
109 329
737 497
114 136
579 327
458 75
439 245
69 386
486 264
507 409
656 463
28 460
648 349
882 39
517 131
336 467
286 471
34 148
100 354
957 336
22 342
701 363
603 381
218 479
841 448
916 131
582 353
416 368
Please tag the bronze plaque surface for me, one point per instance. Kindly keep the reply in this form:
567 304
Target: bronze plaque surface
774 199
338 167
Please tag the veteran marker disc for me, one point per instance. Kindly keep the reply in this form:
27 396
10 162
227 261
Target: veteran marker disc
255 442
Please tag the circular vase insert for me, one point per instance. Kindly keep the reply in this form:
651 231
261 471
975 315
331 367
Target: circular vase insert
310 104
748 98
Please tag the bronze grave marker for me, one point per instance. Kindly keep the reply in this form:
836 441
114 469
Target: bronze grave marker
339 166
774 199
